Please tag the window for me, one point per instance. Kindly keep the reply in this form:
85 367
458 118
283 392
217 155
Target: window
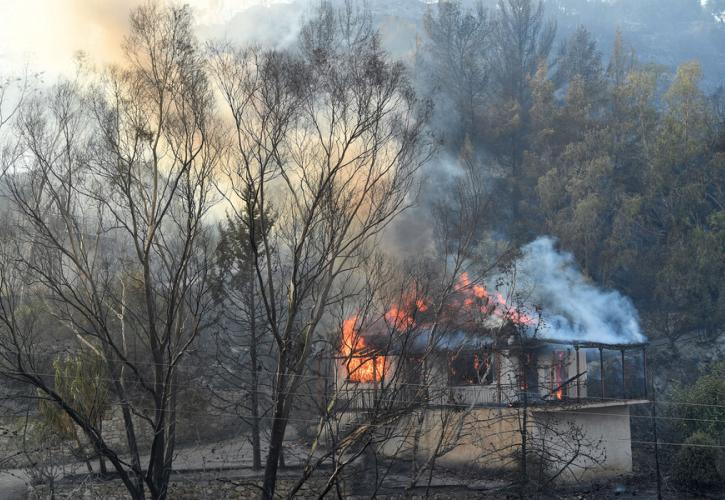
470 368
366 369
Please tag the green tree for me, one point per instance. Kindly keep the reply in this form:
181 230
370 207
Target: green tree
523 40
580 59
687 121
575 191
695 464
699 407
240 240
681 202
455 59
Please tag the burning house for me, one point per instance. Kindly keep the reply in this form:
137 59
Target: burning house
485 384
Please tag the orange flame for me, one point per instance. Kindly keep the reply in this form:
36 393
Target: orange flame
360 368
401 317
477 298
365 367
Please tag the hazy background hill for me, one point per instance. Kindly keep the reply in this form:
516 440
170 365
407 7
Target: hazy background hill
666 32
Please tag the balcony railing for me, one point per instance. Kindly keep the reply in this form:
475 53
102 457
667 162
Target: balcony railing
358 398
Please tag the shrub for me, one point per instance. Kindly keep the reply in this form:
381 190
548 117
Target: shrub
695 465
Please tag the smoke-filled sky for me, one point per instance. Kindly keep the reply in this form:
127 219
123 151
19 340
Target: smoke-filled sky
45 34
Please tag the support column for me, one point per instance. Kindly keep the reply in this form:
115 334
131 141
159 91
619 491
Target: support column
498 376
624 379
578 377
644 369
601 371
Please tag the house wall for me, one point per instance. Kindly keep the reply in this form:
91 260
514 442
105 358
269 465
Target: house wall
480 438
504 388
605 434
489 438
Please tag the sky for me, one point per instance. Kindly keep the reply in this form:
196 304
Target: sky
45 34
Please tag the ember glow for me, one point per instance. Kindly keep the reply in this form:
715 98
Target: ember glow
360 367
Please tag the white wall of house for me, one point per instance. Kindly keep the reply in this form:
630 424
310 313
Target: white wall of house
490 438
606 428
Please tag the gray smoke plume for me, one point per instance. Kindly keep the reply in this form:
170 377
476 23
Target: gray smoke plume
572 308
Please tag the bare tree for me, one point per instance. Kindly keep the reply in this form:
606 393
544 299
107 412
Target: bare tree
385 338
110 193
332 137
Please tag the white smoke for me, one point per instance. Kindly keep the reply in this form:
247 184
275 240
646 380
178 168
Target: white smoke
571 307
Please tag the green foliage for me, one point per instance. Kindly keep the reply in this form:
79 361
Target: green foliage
695 465
701 407
240 239
82 383
699 416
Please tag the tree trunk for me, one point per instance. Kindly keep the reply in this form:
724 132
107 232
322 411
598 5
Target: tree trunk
256 446
132 445
524 433
155 474
276 438
101 459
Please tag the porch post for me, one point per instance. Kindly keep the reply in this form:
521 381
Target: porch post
498 376
644 369
624 380
578 378
601 370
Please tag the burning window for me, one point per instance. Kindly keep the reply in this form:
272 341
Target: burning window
366 368
470 368
361 364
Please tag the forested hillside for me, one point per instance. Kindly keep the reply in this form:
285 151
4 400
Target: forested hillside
620 159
